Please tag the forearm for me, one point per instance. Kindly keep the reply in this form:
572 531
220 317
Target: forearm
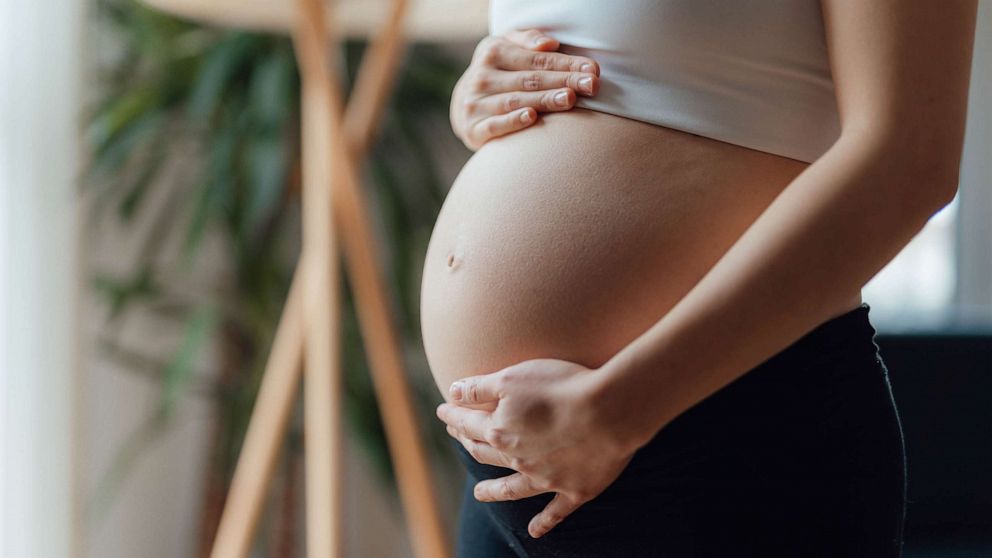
833 228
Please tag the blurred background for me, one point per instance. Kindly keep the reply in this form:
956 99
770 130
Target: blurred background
149 225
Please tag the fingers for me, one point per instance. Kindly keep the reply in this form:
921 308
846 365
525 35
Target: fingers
554 513
504 54
478 389
481 451
500 125
503 113
513 57
543 101
536 80
513 487
532 38
467 422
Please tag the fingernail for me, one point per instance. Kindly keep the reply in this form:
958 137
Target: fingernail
456 391
525 117
587 68
585 84
541 40
561 98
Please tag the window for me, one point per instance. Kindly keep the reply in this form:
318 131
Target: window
916 289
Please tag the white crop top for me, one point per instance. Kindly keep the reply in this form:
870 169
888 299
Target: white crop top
754 73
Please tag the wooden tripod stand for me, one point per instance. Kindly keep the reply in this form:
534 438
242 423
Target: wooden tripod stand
333 143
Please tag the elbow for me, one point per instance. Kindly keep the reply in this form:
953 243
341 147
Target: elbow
924 166
936 164
946 190
937 179
933 156
930 190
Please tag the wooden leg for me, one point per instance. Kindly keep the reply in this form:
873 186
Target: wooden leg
242 510
265 430
374 314
322 314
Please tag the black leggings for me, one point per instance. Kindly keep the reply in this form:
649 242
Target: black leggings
802 456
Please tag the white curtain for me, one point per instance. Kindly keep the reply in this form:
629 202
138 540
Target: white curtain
39 86
974 253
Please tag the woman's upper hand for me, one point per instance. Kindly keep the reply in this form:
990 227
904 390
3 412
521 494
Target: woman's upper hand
510 79
552 424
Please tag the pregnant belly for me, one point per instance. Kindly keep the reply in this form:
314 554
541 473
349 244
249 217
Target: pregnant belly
571 238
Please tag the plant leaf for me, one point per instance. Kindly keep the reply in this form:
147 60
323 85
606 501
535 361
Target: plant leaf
214 76
179 371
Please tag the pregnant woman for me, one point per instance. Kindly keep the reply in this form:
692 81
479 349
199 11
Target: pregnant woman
643 305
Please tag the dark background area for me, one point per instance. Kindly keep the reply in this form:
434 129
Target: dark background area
941 383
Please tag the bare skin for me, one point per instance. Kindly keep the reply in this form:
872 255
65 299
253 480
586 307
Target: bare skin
570 238
542 298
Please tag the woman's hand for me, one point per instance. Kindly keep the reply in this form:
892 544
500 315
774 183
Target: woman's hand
553 424
510 79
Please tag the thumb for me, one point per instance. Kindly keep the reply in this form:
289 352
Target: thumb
476 389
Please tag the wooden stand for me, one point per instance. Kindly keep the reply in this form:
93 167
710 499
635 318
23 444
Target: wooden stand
333 145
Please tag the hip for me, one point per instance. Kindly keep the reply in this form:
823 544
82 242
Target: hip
802 455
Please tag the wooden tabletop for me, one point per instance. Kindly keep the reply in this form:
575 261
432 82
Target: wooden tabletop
427 20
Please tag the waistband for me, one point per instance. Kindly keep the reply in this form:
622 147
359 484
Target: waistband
850 332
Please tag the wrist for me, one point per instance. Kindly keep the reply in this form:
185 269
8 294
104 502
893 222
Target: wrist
627 413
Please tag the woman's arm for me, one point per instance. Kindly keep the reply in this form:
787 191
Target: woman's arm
901 70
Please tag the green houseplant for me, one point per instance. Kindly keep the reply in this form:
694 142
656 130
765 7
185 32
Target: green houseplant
232 99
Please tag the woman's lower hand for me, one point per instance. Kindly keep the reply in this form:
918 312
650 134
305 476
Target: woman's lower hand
552 424
513 77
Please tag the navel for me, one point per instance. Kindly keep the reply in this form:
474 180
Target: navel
455 257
